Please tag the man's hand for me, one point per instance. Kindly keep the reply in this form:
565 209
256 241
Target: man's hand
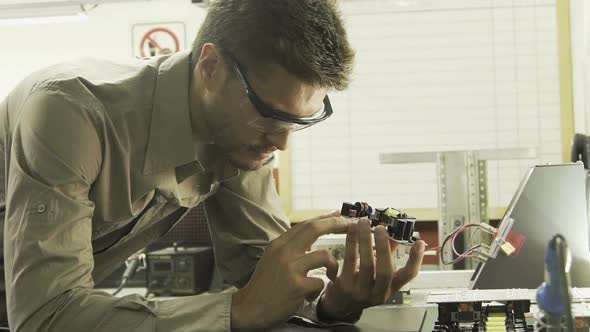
372 281
280 284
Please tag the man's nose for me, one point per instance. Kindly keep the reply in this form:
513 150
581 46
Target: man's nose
280 139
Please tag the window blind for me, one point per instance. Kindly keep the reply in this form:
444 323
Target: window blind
433 76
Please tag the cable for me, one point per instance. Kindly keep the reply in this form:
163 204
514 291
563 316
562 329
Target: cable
128 274
121 286
472 235
469 252
459 231
451 235
133 264
442 247
461 257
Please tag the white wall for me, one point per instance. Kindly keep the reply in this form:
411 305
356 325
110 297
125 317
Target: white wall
106 34
410 62
434 76
580 32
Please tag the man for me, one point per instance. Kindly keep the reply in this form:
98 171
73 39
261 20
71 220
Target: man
102 159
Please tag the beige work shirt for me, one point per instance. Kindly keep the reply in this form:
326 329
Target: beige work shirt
92 146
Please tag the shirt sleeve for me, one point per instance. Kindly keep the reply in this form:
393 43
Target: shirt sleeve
56 155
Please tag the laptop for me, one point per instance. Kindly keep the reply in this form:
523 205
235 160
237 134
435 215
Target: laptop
551 199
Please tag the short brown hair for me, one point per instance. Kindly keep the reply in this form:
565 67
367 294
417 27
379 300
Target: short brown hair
306 37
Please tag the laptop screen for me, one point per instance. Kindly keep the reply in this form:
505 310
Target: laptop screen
550 200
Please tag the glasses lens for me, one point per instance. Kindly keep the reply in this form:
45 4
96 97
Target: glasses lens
268 125
319 115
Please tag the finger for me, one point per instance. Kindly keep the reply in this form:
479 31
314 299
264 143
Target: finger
384 265
312 288
298 228
367 263
317 259
351 253
305 235
408 272
302 225
333 213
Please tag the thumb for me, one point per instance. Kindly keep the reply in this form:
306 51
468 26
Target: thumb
410 271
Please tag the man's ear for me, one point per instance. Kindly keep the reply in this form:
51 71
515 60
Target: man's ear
210 68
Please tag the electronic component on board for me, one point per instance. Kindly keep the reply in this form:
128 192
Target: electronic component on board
483 316
399 225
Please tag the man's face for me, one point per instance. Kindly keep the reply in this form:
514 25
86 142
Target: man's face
231 116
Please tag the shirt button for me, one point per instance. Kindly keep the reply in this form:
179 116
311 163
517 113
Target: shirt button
41 208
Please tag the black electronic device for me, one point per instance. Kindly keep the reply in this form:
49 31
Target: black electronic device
399 225
581 149
191 231
179 270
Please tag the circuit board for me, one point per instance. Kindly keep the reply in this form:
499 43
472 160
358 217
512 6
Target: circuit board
483 316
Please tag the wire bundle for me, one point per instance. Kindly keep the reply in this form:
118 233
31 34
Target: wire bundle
478 251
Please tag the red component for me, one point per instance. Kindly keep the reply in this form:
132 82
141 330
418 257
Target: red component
517 240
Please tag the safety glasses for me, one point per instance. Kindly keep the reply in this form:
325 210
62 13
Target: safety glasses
270 120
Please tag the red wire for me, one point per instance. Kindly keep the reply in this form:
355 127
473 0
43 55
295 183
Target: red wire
459 231
466 254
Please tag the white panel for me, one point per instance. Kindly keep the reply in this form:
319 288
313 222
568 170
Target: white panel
107 34
434 75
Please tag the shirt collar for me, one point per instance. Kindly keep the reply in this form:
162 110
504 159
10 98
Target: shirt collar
171 142
210 159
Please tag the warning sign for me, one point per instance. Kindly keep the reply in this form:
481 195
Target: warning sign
156 39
